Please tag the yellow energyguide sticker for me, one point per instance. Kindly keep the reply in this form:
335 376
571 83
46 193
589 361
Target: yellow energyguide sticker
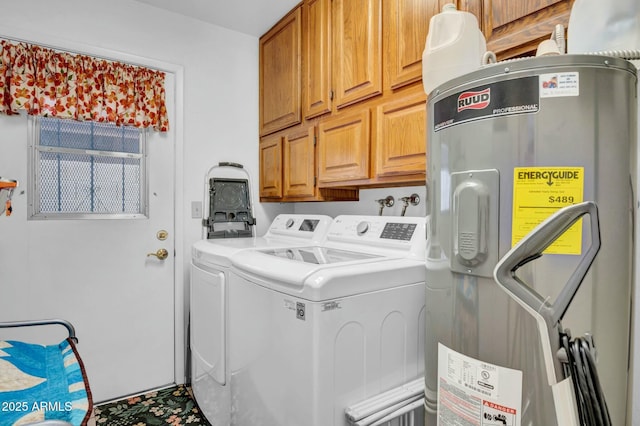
538 192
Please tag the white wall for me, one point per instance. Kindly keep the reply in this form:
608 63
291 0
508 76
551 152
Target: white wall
367 205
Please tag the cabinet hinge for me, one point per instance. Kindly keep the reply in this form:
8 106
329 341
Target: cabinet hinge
315 181
315 140
331 95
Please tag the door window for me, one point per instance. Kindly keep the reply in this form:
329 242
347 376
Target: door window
83 169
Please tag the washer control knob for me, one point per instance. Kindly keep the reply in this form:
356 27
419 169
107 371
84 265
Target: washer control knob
362 228
289 223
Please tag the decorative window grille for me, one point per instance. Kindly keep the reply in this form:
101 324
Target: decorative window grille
85 169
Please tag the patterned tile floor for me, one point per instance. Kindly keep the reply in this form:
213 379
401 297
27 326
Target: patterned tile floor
172 406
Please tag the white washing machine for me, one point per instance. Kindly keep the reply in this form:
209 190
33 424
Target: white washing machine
315 329
208 310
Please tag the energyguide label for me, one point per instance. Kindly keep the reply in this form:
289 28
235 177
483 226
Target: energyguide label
538 192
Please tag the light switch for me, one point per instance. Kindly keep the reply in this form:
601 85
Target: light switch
196 209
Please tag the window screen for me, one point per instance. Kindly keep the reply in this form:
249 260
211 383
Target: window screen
87 170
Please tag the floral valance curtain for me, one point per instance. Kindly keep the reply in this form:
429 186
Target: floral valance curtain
49 83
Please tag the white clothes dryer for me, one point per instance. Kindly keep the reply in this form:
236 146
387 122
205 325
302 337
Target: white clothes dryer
208 304
315 329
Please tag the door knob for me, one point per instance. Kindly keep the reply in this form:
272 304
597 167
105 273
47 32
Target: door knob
161 254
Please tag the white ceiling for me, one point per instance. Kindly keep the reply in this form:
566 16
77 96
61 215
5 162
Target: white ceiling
253 17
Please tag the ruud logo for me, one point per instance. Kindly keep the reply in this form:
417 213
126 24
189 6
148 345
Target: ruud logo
474 100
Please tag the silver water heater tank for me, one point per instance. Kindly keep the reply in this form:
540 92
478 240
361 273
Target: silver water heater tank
507 146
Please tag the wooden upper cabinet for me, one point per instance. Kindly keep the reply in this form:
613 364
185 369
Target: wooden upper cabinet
299 164
400 137
280 74
343 147
357 50
472 6
514 28
406 25
316 62
271 167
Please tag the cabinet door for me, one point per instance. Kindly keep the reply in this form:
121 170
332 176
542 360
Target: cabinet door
343 148
317 58
400 137
280 75
271 167
471 6
406 27
299 164
515 28
357 53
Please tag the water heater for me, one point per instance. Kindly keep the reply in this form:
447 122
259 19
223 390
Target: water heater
508 145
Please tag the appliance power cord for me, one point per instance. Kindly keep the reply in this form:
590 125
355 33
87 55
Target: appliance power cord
580 365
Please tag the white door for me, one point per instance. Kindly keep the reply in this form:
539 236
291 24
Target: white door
97 274
129 346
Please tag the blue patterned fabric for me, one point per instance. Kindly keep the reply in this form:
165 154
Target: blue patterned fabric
42 383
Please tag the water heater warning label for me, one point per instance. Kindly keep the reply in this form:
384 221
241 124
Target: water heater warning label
475 393
538 192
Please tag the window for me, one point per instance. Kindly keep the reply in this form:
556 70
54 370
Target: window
84 169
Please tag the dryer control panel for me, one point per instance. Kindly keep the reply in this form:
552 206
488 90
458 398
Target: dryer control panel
311 227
